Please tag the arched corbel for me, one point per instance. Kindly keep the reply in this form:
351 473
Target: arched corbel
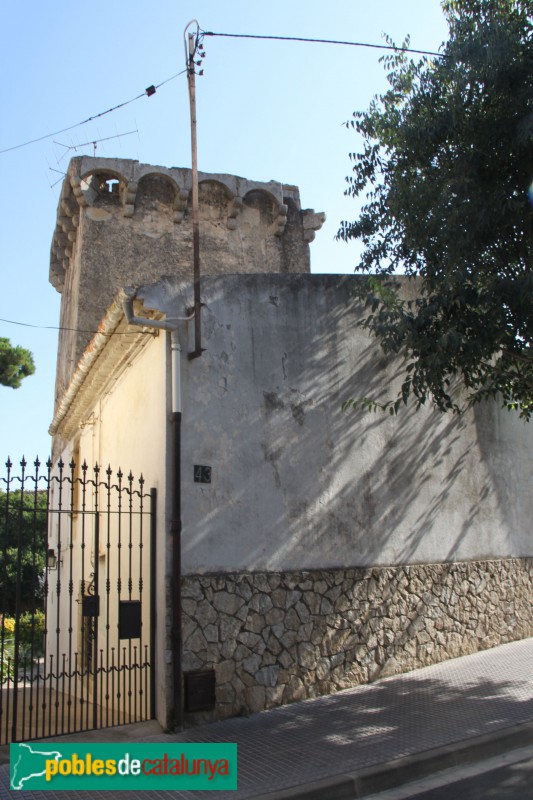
130 193
281 220
312 222
234 211
180 205
75 182
69 219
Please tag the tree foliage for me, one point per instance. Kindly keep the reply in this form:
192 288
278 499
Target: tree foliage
23 529
446 169
16 363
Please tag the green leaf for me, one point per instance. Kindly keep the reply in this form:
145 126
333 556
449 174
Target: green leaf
444 167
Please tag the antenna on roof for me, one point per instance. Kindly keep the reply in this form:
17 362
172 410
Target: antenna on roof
94 142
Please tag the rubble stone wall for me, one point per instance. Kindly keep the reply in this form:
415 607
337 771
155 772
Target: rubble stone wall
274 638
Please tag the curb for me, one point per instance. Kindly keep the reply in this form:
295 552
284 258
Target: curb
400 771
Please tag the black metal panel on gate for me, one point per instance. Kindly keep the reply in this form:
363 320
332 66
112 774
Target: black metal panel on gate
129 619
90 605
77 637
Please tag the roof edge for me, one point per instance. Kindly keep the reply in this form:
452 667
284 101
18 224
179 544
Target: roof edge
86 386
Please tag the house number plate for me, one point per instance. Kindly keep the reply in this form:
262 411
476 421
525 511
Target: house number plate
202 473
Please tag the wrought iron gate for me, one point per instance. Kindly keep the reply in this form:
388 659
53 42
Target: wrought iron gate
77 633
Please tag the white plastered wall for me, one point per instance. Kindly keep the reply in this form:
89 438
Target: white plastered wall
297 483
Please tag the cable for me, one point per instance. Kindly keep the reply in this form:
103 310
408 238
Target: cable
158 85
148 92
61 328
324 41
152 89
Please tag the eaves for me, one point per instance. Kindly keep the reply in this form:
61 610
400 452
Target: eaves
111 350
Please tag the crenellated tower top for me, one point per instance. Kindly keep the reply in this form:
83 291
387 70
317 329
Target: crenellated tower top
122 223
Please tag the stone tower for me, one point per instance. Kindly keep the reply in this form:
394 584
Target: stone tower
123 223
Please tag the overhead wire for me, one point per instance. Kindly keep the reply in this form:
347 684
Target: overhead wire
148 92
64 328
396 48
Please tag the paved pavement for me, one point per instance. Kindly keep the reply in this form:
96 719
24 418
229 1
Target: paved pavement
361 740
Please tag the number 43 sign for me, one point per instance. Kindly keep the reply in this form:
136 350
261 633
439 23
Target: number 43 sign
202 473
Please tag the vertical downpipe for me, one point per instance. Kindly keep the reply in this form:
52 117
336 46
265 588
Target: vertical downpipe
175 715
175 529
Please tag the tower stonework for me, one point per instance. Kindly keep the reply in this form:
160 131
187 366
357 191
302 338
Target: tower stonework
124 223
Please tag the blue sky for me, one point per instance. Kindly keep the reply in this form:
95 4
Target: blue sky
266 110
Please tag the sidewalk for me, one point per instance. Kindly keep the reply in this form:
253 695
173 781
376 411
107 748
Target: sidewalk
364 739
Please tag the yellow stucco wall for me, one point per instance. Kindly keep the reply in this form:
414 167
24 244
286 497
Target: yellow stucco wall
126 430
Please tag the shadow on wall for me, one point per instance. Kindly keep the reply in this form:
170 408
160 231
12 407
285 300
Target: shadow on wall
297 482
506 449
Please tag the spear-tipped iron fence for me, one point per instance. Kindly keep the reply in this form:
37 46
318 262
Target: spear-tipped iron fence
77 599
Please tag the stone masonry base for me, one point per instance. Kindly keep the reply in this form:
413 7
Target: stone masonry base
274 638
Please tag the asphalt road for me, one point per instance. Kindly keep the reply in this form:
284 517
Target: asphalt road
512 782
508 776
